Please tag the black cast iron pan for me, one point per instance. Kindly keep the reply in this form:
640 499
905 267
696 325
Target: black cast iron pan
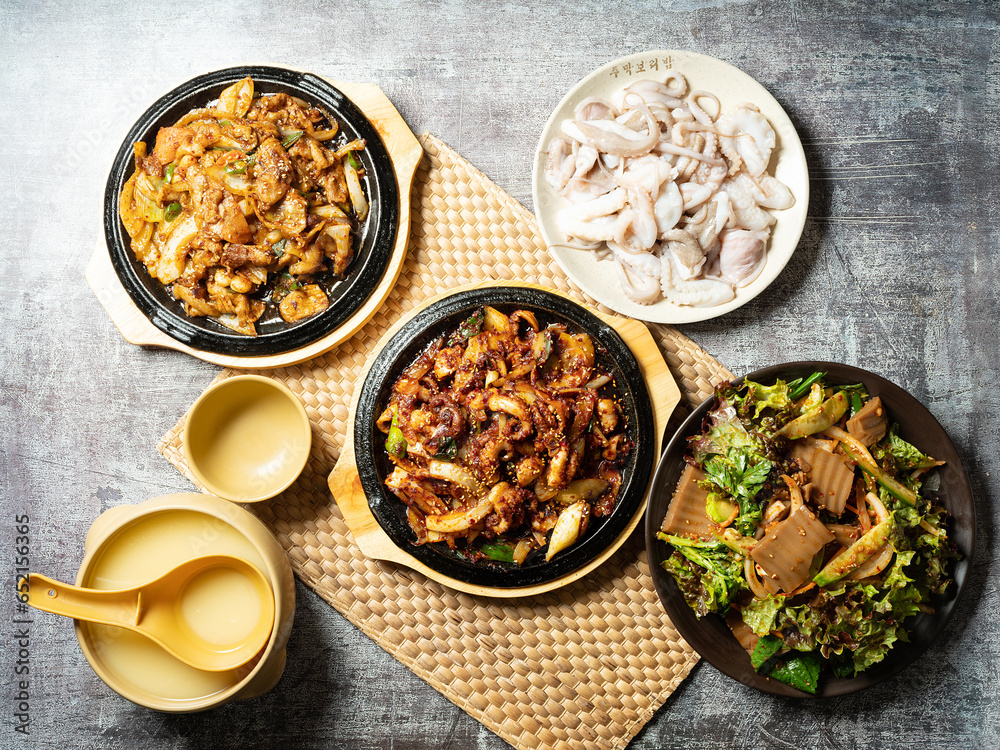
373 247
444 316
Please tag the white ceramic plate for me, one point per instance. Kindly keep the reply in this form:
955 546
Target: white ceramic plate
731 86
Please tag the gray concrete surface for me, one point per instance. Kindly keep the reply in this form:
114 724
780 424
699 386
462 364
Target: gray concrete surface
897 271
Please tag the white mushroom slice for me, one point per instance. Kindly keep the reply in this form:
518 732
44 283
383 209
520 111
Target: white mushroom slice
571 523
693 292
741 255
747 138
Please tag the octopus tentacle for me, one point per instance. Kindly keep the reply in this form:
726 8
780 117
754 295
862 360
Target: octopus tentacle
639 276
692 292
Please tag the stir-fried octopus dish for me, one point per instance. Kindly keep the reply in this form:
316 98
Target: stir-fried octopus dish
245 206
505 438
804 519
670 187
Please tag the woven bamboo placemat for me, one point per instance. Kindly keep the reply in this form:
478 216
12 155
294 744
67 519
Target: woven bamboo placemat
585 666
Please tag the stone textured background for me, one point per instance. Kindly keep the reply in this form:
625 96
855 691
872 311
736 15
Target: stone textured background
897 271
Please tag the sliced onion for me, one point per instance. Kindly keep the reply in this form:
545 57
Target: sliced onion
354 190
521 550
598 382
236 99
325 135
461 519
329 211
237 184
750 572
794 492
873 565
450 472
880 510
357 144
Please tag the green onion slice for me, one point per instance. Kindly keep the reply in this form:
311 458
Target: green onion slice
500 552
240 167
172 211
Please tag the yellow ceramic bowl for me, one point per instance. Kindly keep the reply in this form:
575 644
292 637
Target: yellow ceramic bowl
130 544
247 438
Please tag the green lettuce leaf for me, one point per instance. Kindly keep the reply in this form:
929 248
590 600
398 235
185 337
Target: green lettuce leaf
767 646
709 574
801 672
907 456
760 614
739 476
762 397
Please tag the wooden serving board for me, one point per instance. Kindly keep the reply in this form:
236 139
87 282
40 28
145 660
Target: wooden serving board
375 543
404 151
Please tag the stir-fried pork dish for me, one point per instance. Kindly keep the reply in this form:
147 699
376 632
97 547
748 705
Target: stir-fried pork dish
246 206
505 438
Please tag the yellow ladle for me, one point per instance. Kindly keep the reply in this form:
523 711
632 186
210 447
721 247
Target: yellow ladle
214 612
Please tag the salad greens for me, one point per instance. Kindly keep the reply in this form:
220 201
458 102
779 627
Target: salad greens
788 465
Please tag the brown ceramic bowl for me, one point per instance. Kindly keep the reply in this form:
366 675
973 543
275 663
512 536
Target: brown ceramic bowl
710 636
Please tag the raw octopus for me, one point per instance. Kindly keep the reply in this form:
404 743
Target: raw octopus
677 198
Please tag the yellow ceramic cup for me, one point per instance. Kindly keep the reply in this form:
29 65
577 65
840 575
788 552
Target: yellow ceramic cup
247 438
130 544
